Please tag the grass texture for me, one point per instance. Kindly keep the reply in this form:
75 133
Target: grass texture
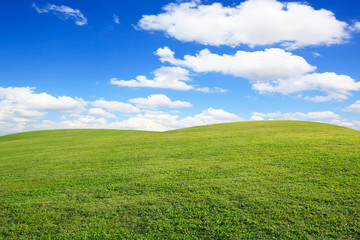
248 180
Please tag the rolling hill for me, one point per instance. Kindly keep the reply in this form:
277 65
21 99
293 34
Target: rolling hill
247 180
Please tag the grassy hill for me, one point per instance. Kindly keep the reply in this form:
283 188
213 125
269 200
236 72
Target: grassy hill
248 180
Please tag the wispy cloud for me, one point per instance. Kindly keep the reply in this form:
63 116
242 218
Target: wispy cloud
116 19
63 12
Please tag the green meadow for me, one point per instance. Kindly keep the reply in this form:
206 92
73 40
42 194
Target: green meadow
247 180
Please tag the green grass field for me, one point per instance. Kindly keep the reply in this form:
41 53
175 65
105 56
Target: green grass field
248 180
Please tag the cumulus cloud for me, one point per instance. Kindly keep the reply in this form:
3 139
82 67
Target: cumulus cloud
336 87
354 107
159 100
25 96
270 71
270 64
252 22
21 109
64 12
21 106
114 106
174 78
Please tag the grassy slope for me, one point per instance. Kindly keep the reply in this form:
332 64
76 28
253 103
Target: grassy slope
276 179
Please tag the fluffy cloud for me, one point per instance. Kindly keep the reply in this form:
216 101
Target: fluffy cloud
114 106
63 12
174 78
252 22
159 100
327 115
336 87
21 106
16 113
270 71
25 97
273 63
354 107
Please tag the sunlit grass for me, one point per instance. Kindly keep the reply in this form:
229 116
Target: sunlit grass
257 180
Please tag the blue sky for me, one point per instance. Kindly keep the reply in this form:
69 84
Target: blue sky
161 65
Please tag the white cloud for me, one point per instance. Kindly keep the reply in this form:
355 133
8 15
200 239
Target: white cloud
21 106
271 71
159 100
165 77
336 87
174 78
101 112
116 19
11 112
273 63
114 106
63 12
25 96
252 22
354 107
327 115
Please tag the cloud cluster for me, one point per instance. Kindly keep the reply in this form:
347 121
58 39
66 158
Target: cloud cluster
21 109
252 22
64 12
295 116
149 121
325 116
